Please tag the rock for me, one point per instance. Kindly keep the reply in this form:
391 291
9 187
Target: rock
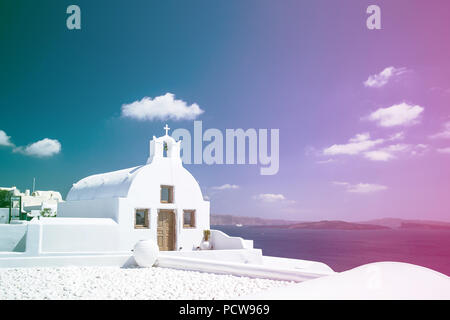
124 283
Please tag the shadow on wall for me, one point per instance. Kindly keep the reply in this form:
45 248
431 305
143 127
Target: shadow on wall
13 238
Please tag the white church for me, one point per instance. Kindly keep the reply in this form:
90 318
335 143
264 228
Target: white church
160 201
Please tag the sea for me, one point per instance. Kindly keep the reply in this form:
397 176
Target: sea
346 249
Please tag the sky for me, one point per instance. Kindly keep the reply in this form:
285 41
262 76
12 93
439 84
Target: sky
363 115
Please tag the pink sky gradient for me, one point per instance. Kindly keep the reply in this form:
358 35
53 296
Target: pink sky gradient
325 100
362 113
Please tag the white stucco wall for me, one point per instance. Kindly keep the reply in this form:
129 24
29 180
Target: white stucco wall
145 192
61 236
96 208
78 235
186 239
4 215
222 241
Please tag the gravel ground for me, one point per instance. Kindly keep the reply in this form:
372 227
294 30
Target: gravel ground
124 283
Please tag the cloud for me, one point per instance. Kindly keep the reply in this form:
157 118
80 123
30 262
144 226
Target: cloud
444 134
326 161
366 188
397 136
5 139
379 155
225 187
382 78
387 153
271 198
362 188
370 149
312 151
340 183
359 143
419 149
163 108
42 148
397 115
444 150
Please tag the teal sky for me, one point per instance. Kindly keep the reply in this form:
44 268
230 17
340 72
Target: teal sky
294 65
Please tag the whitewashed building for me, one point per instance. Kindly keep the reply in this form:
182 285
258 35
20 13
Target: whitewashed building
160 201
40 200
32 203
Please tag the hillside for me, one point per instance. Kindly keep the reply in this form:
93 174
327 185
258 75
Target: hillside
396 223
334 225
220 220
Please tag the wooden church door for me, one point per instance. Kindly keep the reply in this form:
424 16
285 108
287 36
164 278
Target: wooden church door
166 230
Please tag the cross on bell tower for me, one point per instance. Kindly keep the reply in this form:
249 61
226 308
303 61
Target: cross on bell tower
167 129
165 147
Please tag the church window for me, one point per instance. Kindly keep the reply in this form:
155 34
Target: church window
188 218
166 194
165 150
141 219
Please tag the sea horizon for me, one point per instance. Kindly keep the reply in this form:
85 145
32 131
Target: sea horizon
347 249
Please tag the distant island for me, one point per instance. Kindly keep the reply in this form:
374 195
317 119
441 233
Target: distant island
228 220
378 224
335 225
396 223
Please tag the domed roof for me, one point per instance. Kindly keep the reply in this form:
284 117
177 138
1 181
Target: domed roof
137 182
163 165
105 185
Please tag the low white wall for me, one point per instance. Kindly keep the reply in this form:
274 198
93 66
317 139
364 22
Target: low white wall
23 261
234 268
311 266
70 235
13 237
4 215
253 256
222 241
79 235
